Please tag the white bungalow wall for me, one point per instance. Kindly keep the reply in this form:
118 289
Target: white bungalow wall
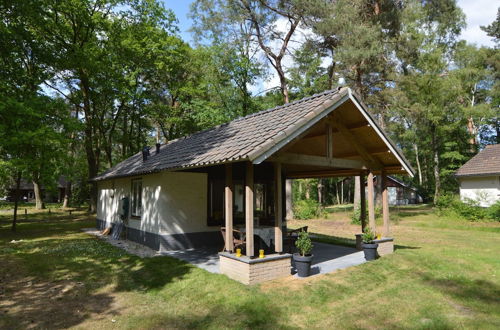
172 202
485 190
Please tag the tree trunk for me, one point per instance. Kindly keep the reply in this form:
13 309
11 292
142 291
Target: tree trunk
417 160
67 195
308 189
283 82
40 205
435 154
337 192
320 191
357 192
92 155
342 191
16 200
289 199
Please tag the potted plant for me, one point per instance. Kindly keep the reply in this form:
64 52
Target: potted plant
369 248
304 258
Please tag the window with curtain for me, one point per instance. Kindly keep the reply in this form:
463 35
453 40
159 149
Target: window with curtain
136 198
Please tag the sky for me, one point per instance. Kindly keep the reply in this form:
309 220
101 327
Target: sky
478 12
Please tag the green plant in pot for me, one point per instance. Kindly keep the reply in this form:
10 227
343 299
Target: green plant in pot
369 247
304 258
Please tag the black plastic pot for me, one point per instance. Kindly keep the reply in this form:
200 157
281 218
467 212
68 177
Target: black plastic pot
302 264
370 251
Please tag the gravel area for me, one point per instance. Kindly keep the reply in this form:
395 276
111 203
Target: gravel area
129 246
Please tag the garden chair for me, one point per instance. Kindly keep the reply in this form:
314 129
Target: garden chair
239 239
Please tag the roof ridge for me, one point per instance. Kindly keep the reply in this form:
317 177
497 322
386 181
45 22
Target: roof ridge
287 104
256 114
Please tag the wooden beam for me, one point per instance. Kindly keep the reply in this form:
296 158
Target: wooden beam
371 160
301 159
329 141
371 203
362 199
228 202
249 209
278 209
354 126
321 174
378 151
385 204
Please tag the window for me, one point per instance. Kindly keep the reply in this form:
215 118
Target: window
136 200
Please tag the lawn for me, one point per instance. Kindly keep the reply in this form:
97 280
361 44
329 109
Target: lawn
444 274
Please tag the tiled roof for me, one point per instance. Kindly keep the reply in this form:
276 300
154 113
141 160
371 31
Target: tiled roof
241 139
254 138
486 162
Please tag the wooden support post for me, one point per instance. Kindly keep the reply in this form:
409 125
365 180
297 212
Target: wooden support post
278 209
329 141
249 209
228 201
371 204
362 200
385 204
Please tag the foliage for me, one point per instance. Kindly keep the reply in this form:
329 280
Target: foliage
468 209
304 243
306 209
356 216
368 235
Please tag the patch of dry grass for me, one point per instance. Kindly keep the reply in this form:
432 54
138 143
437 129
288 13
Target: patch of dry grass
444 274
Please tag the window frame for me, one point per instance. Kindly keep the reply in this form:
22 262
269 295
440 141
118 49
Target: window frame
133 196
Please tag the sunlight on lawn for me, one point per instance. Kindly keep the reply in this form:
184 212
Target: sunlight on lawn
443 275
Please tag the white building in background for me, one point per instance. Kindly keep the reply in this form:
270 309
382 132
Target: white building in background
480 177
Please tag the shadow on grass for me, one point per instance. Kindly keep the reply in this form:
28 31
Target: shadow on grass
486 292
47 258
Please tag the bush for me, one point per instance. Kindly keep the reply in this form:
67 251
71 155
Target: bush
306 209
356 216
468 209
493 212
304 243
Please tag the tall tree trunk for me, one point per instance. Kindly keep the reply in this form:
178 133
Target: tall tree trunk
357 192
67 195
308 189
16 200
417 160
283 82
320 191
435 155
342 191
39 203
92 155
337 192
471 127
289 198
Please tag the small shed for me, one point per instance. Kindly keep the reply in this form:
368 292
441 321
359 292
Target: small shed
399 192
479 178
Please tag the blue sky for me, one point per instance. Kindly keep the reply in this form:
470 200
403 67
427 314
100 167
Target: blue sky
478 12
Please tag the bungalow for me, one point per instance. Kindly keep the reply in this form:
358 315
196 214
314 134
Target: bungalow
233 176
479 178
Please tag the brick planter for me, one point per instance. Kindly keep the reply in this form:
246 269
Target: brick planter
252 271
385 245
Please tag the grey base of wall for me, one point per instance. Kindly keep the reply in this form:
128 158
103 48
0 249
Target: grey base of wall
162 242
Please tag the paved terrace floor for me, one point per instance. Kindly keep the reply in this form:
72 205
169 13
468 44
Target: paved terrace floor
327 258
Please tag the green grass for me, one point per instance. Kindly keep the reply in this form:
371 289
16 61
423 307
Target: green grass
444 275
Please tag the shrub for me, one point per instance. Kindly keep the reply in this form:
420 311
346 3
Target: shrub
493 212
304 243
356 216
306 209
468 209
